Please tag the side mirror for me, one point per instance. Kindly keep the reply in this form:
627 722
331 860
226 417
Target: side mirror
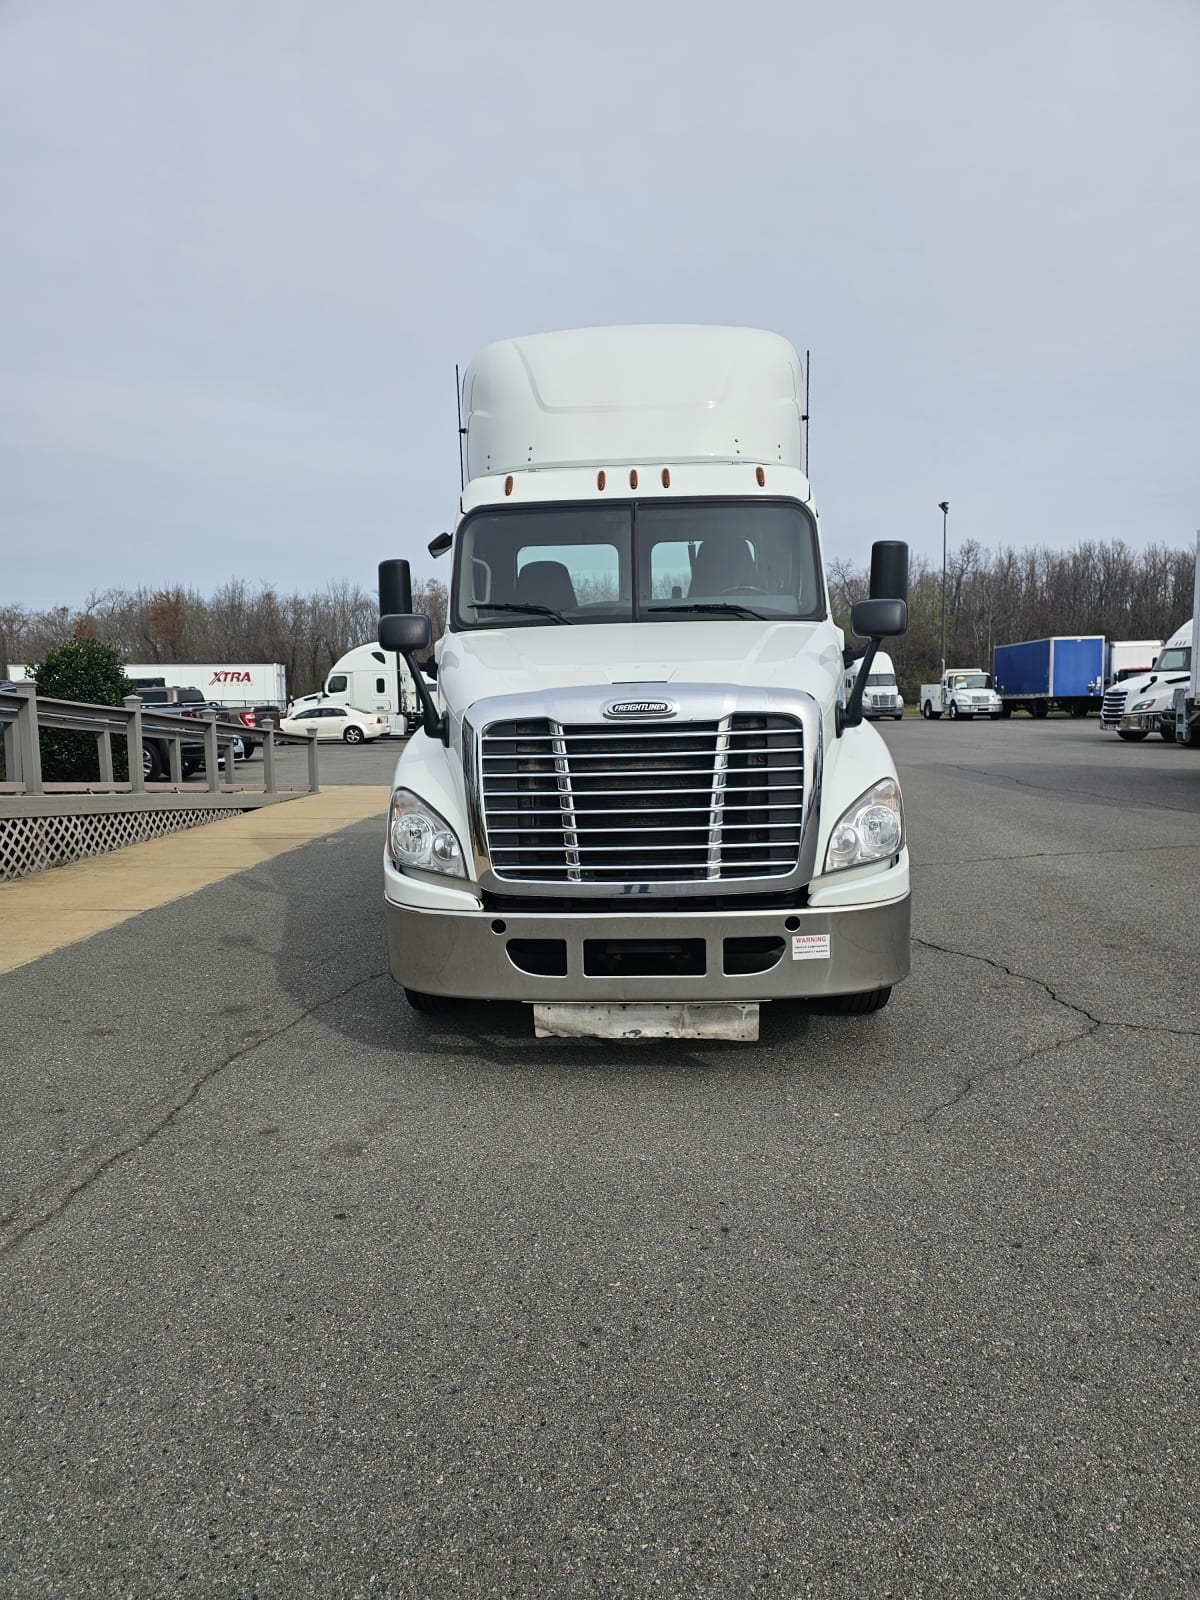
873 620
409 634
439 545
889 570
406 634
395 588
879 619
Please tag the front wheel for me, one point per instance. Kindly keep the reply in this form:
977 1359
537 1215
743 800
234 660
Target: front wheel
353 735
859 1005
1040 710
899 717
1133 734
420 1001
1166 730
954 711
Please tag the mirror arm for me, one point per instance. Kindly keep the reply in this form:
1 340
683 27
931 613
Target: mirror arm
433 721
850 715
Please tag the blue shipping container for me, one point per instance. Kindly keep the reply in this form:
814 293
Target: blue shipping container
1052 669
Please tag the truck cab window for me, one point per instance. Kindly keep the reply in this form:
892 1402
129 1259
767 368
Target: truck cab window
338 684
640 561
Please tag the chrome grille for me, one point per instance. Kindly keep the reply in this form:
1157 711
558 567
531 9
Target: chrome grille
685 803
1113 707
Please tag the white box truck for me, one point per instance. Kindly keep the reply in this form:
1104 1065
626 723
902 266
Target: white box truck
370 679
637 802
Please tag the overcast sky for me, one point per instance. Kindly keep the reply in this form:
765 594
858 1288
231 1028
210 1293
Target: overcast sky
247 240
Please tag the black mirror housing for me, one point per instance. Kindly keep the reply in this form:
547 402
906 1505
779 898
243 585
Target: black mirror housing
889 570
407 633
439 545
395 588
879 619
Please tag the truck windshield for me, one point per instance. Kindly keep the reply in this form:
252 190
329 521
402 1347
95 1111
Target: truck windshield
971 680
1176 659
639 561
881 680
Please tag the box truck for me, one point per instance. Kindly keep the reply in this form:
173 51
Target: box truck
1037 674
637 802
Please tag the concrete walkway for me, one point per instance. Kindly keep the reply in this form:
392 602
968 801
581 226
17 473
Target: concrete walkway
56 908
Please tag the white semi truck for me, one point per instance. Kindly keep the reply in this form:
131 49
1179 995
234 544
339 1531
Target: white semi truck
370 679
1144 705
637 802
881 697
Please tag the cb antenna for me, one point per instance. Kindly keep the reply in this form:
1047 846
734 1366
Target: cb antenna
804 419
462 475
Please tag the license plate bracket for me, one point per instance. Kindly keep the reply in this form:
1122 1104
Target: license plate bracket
671 1019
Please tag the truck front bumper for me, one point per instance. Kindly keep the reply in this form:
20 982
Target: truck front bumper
595 956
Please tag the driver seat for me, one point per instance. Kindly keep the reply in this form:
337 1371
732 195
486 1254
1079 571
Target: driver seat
546 583
722 565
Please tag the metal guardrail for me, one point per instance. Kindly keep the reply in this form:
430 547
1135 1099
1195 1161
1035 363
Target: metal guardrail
24 714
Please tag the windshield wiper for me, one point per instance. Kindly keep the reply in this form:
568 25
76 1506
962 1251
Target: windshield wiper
506 605
714 605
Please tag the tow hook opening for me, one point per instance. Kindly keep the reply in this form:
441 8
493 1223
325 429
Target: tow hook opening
644 958
757 954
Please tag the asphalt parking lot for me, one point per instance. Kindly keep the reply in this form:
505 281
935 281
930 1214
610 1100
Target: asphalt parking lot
305 1294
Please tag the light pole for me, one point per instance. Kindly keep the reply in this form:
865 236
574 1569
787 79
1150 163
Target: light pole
944 508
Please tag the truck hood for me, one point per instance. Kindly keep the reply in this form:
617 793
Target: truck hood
771 655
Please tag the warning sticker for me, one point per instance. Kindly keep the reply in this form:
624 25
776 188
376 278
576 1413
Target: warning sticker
810 947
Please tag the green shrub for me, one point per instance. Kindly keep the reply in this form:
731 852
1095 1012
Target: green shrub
93 673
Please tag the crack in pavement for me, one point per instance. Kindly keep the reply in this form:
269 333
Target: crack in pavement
1094 1024
147 1135
1069 1005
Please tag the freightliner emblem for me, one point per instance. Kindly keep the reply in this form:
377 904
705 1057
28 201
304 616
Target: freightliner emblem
640 708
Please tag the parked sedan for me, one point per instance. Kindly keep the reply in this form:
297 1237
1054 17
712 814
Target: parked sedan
335 722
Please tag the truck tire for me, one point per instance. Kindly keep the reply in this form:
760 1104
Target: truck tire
1006 711
1133 734
1079 710
420 1001
858 1005
152 763
1166 731
1040 710
928 712
955 713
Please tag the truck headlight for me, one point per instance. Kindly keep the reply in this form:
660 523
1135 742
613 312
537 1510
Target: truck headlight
420 838
1146 705
871 830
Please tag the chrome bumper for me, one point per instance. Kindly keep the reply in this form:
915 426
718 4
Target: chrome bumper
467 954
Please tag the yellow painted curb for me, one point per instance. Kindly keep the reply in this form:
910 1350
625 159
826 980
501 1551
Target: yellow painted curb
51 909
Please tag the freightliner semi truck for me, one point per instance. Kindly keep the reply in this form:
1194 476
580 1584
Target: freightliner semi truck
641 801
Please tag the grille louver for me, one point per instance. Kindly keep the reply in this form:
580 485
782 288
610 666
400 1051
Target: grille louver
594 803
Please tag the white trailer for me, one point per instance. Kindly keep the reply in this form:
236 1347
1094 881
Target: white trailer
370 679
638 803
236 684
1186 701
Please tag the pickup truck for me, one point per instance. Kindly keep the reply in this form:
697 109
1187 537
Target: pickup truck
961 692
169 701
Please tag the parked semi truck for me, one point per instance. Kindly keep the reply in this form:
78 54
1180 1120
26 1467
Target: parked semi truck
370 679
637 803
1144 705
881 697
1186 699
960 692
